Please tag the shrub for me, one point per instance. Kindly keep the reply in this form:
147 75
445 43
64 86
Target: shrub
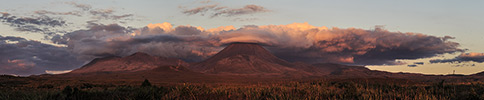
146 83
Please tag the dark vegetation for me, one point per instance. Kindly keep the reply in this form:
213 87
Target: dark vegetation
316 89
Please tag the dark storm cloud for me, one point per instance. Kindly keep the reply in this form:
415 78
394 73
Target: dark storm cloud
216 10
464 57
27 57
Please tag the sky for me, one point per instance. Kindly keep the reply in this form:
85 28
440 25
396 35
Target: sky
429 37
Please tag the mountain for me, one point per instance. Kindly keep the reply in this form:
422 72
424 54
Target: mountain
479 74
135 62
246 59
238 62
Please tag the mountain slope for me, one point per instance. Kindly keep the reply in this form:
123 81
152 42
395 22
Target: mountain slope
135 62
246 59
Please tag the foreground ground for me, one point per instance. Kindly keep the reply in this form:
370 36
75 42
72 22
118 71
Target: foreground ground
22 88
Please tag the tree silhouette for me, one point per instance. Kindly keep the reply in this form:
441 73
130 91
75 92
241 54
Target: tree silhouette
146 83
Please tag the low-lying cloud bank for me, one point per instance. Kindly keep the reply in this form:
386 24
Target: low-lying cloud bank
464 57
293 42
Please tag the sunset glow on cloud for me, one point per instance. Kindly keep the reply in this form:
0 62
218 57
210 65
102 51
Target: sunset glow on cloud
294 42
319 44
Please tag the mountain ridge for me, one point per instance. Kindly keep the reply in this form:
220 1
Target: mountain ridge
245 59
135 62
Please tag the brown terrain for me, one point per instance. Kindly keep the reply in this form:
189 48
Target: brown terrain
135 62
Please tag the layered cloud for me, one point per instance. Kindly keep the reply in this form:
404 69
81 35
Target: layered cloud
215 10
26 57
293 42
51 23
464 57
108 14
45 12
247 9
40 24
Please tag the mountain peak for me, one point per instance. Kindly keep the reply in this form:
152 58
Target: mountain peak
246 59
244 48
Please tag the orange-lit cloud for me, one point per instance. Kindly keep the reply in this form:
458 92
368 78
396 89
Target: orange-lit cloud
21 63
57 71
293 42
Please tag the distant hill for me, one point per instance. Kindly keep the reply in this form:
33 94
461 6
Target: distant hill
478 74
135 62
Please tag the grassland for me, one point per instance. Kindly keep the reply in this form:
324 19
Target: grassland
22 89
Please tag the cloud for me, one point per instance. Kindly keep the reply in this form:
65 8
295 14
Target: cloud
45 13
464 57
216 10
245 19
108 14
84 7
293 42
57 71
52 23
40 24
307 43
98 14
247 9
184 42
27 57
205 1
418 63
40 20
198 10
